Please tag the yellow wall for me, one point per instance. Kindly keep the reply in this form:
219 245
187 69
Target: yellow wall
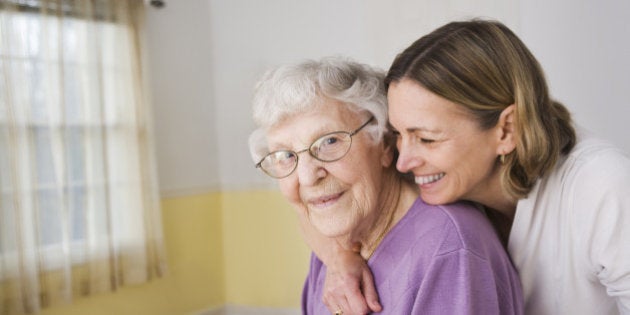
266 259
232 247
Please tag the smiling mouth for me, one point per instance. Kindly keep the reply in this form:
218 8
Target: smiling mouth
423 180
325 201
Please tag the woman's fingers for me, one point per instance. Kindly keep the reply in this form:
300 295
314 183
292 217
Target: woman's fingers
345 285
369 290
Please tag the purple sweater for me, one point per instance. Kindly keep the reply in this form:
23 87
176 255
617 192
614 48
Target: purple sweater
436 260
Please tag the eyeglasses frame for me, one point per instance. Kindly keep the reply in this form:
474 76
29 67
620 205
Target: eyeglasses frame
297 158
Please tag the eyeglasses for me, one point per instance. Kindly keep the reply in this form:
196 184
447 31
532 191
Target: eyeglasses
327 148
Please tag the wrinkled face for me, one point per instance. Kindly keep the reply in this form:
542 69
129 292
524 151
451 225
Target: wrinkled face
440 143
338 197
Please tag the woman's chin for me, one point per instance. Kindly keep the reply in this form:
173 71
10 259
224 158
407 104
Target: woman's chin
434 199
331 232
330 227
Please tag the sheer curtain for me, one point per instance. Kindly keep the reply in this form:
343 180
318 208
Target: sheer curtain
79 210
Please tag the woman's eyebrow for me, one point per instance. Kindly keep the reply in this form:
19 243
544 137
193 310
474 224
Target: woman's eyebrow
421 129
317 133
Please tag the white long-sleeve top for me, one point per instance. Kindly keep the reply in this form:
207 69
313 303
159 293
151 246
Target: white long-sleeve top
570 240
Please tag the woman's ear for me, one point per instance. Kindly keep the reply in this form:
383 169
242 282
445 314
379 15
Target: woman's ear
506 128
388 154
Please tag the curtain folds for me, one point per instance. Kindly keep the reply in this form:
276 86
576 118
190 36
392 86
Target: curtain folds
79 209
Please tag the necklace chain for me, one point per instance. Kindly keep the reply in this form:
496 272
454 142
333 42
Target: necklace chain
390 220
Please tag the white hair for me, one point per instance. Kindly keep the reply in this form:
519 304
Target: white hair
292 89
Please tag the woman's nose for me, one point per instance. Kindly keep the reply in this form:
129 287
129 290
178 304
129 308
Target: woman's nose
310 170
407 158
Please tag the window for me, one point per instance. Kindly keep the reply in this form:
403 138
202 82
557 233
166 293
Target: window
77 184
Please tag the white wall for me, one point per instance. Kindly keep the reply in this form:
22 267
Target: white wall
179 42
209 53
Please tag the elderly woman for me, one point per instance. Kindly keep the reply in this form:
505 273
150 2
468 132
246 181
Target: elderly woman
476 122
323 136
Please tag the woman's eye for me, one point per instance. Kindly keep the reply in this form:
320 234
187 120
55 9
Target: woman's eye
419 139
281 157
330 140
287 155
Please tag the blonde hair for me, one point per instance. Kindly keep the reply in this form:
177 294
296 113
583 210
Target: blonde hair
483 66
